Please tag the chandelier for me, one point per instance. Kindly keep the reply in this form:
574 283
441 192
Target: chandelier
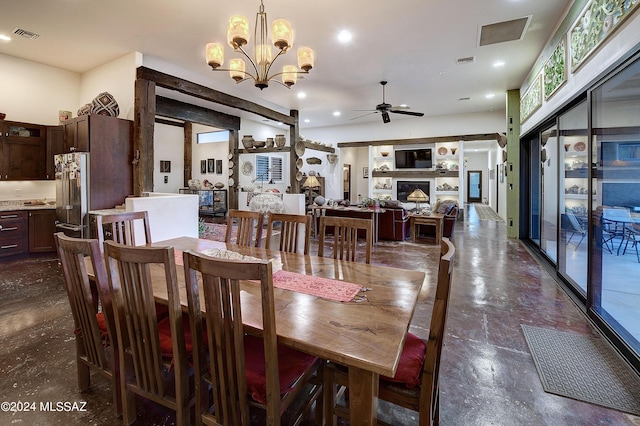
238 38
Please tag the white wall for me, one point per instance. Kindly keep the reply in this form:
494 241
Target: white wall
34 93
168 145
116 77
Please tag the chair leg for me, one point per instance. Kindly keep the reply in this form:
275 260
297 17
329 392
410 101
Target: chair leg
84 375
329 396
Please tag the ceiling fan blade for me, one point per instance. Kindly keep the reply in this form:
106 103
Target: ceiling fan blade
365 110
415 114
399 107
364 115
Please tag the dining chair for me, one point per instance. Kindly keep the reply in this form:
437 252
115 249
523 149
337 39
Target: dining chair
236 371
153 354
633 237
120 227
576 228
293 229
614 222
416 383
246 222
345 236
96 345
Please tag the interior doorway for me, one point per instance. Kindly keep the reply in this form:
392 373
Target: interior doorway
346 181
474 186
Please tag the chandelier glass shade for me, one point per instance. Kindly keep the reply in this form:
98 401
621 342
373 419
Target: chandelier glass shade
238 36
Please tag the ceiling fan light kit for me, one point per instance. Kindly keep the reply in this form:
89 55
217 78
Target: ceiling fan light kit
384 109
238 36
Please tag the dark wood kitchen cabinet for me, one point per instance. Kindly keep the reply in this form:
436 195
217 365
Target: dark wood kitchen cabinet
14 231
109 142
42 226
55 145
22 151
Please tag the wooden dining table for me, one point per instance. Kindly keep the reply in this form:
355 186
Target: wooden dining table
367 335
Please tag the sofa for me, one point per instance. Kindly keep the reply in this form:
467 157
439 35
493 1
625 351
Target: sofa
393 223
449 208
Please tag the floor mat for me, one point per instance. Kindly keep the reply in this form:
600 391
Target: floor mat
486 213
583 368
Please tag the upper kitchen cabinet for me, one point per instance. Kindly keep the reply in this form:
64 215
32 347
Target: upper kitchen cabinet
109 140
22 151
55 145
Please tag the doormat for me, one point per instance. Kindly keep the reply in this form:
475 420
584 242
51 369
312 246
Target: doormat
584 368
486 213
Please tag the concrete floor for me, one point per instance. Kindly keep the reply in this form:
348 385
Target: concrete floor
487 374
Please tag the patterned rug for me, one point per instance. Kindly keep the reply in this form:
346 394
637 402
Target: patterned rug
216 231
486 213
584 368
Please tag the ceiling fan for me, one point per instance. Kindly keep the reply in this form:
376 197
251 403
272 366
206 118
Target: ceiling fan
385 108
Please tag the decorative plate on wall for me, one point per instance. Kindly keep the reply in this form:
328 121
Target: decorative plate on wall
300 148
580 146
231 164
442 151
231 182
247 168
299 176
299 163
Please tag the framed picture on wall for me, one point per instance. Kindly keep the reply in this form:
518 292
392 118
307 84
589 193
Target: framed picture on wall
211 165
203 166
165 166
218 167
501 173
365 172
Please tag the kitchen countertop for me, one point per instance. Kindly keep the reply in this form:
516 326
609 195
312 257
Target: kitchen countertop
11 205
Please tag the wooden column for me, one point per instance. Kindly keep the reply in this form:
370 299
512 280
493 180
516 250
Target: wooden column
233 189
294 135
144 119
512 168
188 153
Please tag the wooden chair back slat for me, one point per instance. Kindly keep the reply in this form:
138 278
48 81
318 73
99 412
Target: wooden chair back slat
345 236
85 297
246 222
291 231
144 369
121 226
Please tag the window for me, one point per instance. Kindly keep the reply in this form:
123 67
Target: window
269 168
217 136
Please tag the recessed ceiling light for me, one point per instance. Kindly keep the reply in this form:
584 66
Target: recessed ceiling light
403 105
336 113
344 36
489 95
280 123
306 120
302 95
5 37
498 64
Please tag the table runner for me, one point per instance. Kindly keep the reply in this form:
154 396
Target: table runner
327 288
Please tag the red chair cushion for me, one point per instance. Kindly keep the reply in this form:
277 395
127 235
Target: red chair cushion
164 330
102 324
411 361
291 364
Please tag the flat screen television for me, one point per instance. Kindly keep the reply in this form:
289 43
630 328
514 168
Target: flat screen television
405 188
413 158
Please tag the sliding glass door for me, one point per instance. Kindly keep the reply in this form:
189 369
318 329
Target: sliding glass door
615 138
549 189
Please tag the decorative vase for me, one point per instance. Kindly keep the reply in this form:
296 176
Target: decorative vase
269 143
247 141
566 147
280 141
453 151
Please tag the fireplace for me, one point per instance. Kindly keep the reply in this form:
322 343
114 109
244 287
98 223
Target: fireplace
404 188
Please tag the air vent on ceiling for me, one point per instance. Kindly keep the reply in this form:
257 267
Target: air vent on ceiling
503 31
467 60
26 34
464 99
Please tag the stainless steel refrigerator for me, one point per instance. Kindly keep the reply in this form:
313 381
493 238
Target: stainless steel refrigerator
72 194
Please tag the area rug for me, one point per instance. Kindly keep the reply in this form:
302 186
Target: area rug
216 231
584 368
486 213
